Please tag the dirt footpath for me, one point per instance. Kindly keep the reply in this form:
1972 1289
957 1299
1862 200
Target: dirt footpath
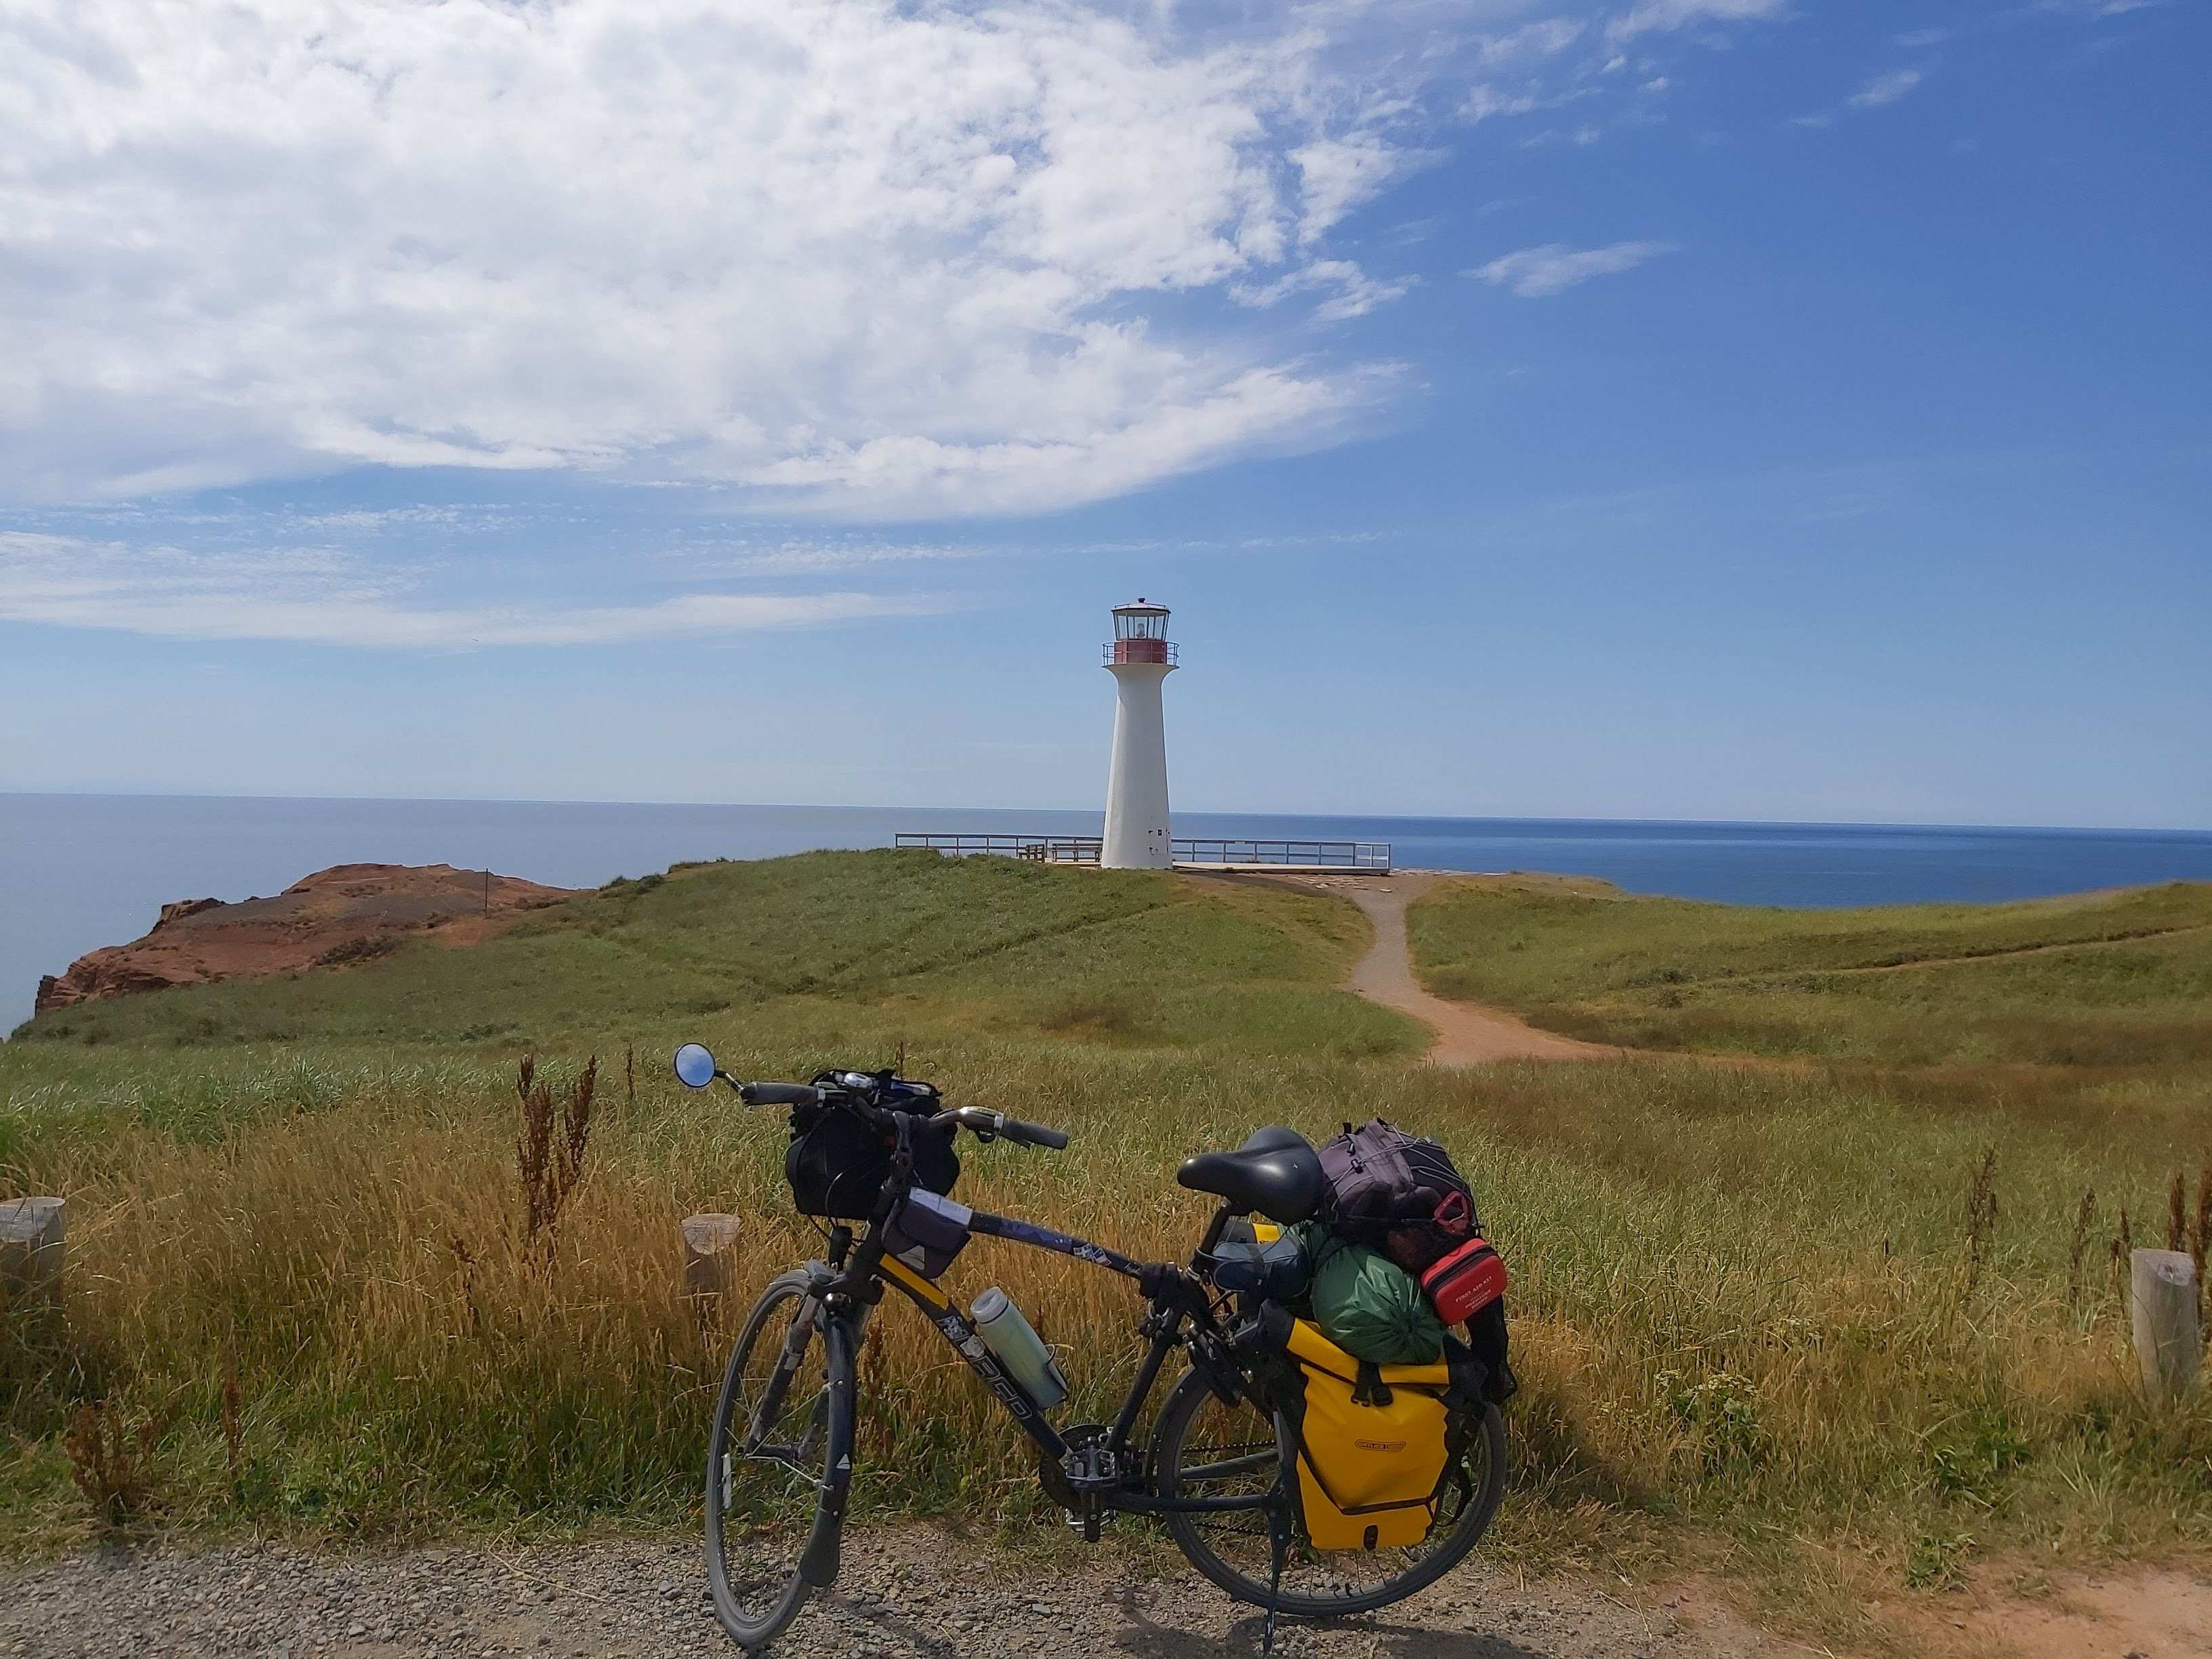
906 1593
1466 1034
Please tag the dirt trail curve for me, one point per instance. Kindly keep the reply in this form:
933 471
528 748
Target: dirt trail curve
1466 1034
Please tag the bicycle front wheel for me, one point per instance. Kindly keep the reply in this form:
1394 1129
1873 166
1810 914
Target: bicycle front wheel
779 1461
1203 1449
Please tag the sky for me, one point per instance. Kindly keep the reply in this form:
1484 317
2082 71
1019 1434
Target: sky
1689 408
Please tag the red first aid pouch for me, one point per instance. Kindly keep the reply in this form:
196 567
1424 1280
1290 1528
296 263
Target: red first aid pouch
1462 1284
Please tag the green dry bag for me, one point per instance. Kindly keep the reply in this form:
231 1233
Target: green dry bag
1367 1304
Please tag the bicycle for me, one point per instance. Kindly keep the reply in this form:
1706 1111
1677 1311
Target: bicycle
1219 1467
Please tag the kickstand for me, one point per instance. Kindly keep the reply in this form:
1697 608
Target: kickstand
1278 1541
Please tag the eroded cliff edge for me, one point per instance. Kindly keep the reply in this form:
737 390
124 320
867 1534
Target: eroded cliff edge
349 912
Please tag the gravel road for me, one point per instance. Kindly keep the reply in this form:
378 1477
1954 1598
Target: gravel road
906 1593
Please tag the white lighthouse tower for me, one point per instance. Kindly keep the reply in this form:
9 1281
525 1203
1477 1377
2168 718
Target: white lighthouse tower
1139 658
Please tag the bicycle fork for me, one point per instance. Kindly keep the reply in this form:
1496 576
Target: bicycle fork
819 1561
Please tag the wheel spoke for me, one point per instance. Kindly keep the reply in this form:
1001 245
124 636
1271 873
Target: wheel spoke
1258 1463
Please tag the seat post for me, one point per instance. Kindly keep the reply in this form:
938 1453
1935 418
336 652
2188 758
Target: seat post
1222 1216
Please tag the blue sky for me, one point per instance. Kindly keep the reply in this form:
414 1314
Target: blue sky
1661 408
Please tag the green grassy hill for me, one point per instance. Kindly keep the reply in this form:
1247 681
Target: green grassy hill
914 938
2095 979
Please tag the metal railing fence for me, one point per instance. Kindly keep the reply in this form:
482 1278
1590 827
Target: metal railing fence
1045 849
1324 854
1220 851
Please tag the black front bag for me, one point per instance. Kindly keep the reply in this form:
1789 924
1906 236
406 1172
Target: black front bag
837 1164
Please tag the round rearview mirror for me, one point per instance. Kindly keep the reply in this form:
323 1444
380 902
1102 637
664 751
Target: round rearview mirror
694 1067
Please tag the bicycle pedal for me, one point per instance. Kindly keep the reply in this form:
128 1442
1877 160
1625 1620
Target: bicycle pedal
1091 1526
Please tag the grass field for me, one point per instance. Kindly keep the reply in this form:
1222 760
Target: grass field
1755 1312
2117 980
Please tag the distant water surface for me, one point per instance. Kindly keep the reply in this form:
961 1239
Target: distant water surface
77 872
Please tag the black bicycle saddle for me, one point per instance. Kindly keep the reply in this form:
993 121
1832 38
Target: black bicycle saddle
1276 1172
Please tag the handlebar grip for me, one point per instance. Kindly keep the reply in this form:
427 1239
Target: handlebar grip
780 1094
1033 1134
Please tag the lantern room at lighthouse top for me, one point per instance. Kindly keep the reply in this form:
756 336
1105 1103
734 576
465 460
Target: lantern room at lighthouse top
1140 635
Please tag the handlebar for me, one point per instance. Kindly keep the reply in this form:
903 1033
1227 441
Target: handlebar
979 1121
781 1094
990 1124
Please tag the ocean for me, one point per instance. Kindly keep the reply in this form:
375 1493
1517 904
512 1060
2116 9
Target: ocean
77 872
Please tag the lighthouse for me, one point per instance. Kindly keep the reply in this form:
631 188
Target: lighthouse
1140 658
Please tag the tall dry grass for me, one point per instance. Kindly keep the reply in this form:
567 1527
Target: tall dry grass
1750 1300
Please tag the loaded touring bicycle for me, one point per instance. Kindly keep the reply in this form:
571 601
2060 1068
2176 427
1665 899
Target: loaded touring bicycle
1296 1478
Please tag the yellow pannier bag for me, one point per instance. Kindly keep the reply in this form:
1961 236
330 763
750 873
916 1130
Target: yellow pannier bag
1368 1467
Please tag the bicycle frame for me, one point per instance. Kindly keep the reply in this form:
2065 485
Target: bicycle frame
1177 1301
843 1290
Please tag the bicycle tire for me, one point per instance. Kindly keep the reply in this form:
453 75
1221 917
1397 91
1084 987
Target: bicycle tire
755 1610
1191 1532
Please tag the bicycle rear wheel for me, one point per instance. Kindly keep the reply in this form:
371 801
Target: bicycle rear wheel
1204 1448
779 1460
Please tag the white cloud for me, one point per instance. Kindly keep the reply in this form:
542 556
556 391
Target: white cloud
406 519
1583 136
314 596
1534 272
1885 88
1921 39
1878 93
852 256
1542 38
1681 14
813 558
1482 102
1339 174
1352 292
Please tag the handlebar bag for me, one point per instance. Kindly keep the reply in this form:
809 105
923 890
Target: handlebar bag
837 1163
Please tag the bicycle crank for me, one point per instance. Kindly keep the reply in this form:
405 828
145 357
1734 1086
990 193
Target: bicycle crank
1079 1482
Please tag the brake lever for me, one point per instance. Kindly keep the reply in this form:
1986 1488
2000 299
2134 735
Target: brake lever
987 1132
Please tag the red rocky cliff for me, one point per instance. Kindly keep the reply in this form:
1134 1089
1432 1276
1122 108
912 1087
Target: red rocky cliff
349 912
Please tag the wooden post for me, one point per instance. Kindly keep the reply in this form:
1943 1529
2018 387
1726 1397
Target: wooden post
31 1252
2163 1287
707 1241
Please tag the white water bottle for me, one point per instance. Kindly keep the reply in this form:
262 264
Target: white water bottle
1018 1347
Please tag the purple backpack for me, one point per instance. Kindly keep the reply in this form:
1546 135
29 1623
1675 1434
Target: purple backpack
1396 1192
